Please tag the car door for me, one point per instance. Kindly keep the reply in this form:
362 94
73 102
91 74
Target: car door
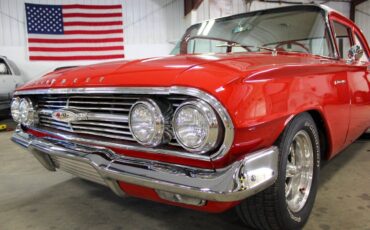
338 113
357 78
359 84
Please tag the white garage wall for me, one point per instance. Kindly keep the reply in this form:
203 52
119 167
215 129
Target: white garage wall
218 8
151 27
362 18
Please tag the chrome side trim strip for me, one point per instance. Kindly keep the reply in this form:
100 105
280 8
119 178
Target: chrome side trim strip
220 109
241 179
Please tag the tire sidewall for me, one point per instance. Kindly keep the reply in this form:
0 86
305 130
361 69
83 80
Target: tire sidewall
295 220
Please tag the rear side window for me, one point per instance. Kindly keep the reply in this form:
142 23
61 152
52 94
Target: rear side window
7 69
343 38
358 41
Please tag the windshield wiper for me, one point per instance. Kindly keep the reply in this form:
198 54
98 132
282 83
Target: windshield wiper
233 44
236 44
273 50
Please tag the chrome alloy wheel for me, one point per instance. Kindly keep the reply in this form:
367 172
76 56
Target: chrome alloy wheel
299 171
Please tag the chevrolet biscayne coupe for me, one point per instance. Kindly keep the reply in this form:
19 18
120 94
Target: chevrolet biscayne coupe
241 115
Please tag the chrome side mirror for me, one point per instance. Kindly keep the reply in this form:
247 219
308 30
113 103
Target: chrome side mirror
355 53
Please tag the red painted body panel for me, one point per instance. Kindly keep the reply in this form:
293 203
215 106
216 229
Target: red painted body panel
150 194
261 92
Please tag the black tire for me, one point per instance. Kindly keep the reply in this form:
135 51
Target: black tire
269 209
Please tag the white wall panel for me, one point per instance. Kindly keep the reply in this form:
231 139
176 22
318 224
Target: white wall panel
145 21
208 9
151 27
363 18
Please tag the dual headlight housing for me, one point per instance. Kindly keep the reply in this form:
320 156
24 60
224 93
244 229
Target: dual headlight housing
194 124
23 111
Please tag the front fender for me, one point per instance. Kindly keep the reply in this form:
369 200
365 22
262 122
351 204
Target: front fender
262 105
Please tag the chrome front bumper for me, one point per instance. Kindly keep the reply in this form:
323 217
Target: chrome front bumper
241 179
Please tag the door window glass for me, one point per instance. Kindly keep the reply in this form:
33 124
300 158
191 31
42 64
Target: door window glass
358 41
4 68
342 36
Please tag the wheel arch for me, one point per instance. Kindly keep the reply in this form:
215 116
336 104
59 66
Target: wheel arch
323 130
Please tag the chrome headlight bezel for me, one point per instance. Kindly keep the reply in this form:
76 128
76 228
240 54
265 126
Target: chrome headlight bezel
158 135
211 140
27 112
14 109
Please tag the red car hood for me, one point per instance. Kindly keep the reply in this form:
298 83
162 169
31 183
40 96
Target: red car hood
217 69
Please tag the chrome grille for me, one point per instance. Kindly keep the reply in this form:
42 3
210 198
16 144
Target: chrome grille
107 115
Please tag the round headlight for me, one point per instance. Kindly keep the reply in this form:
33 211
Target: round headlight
146 122
196 126
27 112
14 109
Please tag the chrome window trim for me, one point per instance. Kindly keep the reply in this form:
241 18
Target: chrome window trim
331 34
217 106
324 8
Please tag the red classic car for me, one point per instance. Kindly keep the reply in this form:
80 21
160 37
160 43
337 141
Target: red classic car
241 116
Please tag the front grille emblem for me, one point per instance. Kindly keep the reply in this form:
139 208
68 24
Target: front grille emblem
69 115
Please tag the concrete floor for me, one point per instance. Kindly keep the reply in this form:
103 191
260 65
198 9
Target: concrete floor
33 198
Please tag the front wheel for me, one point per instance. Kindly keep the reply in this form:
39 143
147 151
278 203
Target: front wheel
288 203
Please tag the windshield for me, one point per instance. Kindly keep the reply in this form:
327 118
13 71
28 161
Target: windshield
291 29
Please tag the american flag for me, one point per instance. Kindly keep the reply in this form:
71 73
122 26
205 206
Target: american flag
74 32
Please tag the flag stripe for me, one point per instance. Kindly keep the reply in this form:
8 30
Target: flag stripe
79 6
72 49
88 11
75 45
86 15
75 40
73 58
93 28
84 19
75 36
76 53
93 32
79 23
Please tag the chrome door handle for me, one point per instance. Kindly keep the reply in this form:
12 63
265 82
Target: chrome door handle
339 82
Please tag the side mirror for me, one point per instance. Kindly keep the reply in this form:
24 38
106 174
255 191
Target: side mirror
3 69
355 53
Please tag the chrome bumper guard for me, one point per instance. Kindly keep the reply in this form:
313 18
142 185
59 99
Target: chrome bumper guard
241 179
